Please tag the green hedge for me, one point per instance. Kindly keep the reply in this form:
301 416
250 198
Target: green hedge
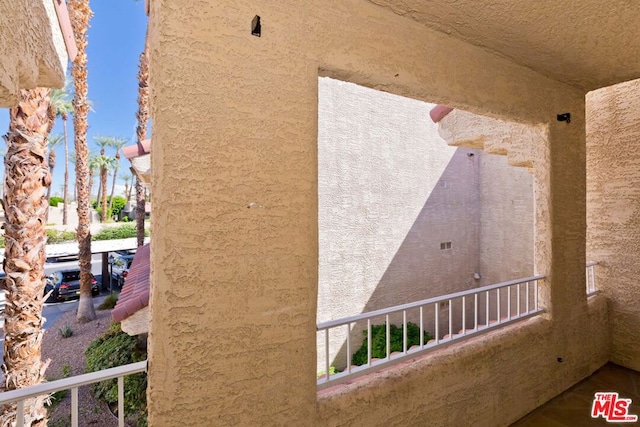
116 348
124 231
379 341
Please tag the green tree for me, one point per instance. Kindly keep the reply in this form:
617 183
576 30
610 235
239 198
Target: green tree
117 144
54 140
61 101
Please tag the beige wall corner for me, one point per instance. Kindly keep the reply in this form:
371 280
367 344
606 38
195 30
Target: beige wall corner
33 49
613 216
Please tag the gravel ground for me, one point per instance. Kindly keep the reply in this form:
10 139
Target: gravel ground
69 353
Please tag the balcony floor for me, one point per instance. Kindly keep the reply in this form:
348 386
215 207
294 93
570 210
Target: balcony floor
573 407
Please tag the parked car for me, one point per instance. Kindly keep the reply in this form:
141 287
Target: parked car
65 285
120 268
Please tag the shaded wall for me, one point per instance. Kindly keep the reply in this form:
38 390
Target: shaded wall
235 169
613 210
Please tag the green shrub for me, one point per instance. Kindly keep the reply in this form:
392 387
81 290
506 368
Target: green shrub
99 211
379 341
109 302
116 348
55 236
66 331
54 200
123 231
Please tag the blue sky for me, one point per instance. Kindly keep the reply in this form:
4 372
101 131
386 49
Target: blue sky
116 40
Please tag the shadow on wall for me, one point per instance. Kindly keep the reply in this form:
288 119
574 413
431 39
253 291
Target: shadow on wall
439 254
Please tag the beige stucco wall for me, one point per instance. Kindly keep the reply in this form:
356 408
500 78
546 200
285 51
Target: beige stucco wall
235 168
613 210
32 48
506 220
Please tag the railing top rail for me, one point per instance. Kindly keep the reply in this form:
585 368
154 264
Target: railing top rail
591 263
383 311
72 382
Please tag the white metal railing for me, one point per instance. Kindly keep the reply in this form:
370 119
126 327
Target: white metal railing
476 310
73 383
591 278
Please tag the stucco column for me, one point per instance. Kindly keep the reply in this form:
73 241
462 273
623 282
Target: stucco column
234 250
560 203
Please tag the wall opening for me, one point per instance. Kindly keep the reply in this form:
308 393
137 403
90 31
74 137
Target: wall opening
403 215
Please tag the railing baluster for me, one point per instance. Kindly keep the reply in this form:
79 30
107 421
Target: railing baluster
535 296
74 407
518 299
437 322
464 316
487 309
475 311
421 326
20 413
348 347
450 320
369 341
121 400
509 302
326 352
404 331
388 337
498 305
527 299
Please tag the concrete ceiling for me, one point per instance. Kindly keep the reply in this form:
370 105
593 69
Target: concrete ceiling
585 43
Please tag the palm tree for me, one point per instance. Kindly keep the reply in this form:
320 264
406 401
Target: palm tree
104 164
80 14
141 132
126 177
116 143
93 165
103 142
63 105
54 140
26 209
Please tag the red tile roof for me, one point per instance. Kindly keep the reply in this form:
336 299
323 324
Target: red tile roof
439 112
135 150
135 292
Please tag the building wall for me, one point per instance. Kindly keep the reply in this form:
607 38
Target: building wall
506 220
613 210
235 167
33 50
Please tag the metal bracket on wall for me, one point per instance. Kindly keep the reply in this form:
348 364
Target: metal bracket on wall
256 28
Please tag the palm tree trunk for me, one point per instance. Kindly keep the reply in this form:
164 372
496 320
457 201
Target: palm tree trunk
113 185
141 131
99 195
80 13
103 185
26 210
52 164
66 171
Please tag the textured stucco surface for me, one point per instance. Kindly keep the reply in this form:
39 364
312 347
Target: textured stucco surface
235 249
33 50
588 43
613 210
390 191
